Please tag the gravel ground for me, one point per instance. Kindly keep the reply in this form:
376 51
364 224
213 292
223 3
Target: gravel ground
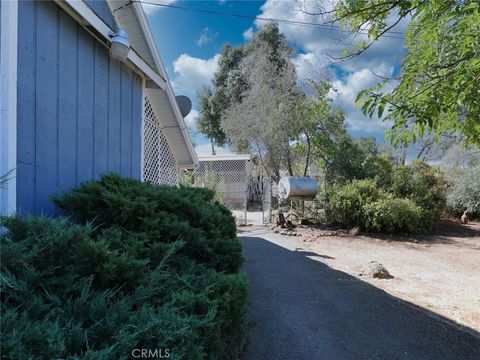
440 272
302 308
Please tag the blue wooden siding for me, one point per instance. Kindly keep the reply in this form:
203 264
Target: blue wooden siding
101 8
79 110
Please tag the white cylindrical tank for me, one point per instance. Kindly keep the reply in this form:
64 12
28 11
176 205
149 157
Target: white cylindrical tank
297 188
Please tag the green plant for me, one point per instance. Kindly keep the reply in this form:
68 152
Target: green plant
5 178
393 215
85 292
380 169
156 216
347 202
424 185
210 180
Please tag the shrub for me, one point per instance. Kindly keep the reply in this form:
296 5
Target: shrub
423 185
347 202
379 169
464 194
393 215
419 183
72 291
155 216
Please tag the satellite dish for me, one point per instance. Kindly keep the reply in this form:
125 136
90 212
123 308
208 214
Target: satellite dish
184 104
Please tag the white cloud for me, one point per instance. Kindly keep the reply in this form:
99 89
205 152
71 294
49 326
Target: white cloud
309 66
248 34
346 92
206 150
151 9
206 37
191 118
192 73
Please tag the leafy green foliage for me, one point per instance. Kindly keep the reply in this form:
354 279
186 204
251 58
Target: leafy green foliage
364 203
160 215
126 279
464 193
437 89
393 215
227 88
347 202
380 169
424 185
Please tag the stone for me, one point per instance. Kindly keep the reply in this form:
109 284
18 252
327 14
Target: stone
354 231
375 270
343 233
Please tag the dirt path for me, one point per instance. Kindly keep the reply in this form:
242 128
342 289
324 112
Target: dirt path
440 272
300 308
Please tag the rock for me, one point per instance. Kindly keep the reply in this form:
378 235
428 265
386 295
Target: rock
326 233
375 270
354 231
343 232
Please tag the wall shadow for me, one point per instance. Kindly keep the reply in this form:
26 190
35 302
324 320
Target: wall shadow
301 308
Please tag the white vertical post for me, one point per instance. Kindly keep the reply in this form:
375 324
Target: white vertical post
142 143
8 104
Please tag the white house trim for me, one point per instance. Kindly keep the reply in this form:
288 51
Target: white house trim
230 157
142 144
8 103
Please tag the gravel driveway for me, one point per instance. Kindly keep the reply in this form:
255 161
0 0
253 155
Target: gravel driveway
302 309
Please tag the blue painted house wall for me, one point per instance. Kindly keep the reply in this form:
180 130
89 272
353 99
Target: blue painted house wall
79 110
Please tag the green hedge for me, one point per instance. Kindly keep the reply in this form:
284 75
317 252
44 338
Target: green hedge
346 205
159 215
377 204
393 216
100 290
424 185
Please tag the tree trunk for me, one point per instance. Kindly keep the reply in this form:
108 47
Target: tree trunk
213 147
308 156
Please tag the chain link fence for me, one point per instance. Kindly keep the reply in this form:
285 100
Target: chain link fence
229 179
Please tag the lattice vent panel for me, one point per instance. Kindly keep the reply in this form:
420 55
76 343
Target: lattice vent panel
228 178
159 164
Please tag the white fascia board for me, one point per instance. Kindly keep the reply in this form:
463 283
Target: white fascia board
8 104
147 32
183 126
171 96
88 17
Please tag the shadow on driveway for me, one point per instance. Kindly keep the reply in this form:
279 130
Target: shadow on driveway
302 309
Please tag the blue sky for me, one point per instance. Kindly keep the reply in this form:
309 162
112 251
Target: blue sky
189 42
